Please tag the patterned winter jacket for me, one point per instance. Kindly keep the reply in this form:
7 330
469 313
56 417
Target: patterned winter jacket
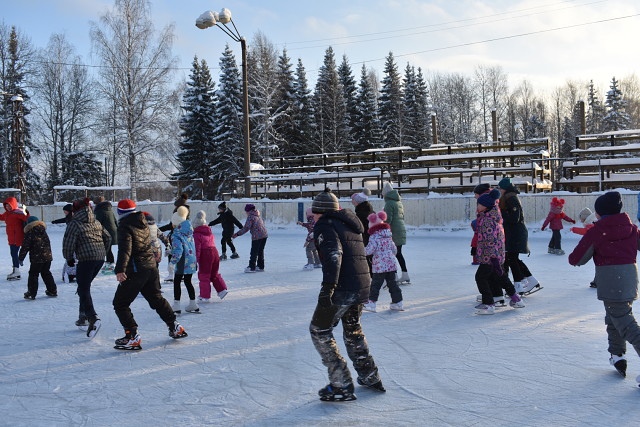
382 248
36 243
85 237
183 249
134 245
555 217
309 226
515 229
105 216
395 217
255 225
345 272
490 236
228 221
15 219
613 243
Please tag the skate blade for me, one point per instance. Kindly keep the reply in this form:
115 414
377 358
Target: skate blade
194 311
338 398
182 335
127 348
532 291
96 327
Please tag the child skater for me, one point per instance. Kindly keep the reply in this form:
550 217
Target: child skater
613 243
259 235
37 244
228 221
554 221
491 254
183 259
383 263
208 259
313 260
587 218
474 243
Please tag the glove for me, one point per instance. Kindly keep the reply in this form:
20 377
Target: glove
234 235
71 262
324 299
167 251
497 267
542 228
21 262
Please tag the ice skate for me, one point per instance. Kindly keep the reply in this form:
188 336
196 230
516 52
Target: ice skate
130 341
223 257
223 293
51 293
235 255
528 285
485 309
204 300
403 279
369 306
497 301
176 331
249 270
14 275
376 385
396 306
82 323
336 394
192 307
515 301
28 296
93 327
308 267
318 265
176 307
620 363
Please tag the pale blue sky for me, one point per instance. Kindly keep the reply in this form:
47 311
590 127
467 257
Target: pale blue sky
438 35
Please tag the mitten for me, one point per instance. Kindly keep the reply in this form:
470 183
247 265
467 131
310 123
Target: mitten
474 251
71 262
542 228
497 267
324 298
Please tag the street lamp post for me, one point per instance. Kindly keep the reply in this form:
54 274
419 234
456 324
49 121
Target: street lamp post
211 19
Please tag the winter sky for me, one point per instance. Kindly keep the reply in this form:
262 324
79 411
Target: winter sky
546 42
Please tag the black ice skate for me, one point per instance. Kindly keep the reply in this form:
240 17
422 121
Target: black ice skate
620 363
336 394
94 327
176 331
375 386
131 341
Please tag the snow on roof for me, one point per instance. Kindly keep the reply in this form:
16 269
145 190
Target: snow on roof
611 133
483 155
380 150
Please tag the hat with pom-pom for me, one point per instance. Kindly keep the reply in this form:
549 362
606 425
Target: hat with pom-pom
200 219
150 219
325 202
126 206
249 207
179 216
79 204
377 218
557 202
488 200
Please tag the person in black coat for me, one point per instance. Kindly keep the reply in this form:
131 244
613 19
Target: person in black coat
226 218
103 210
137 272
363 210
345 287
67 209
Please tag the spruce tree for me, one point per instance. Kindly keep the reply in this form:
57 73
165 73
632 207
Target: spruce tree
616 117
391 104
411 113
349 91
284 105
197 128
367 131
595 111
302 114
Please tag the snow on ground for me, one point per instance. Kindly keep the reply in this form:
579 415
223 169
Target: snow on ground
249 360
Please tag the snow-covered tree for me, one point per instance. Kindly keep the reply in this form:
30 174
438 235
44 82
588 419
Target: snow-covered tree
284 127
390 104
595 110
616 117
227 162
302 115
349 91
423 112
367 130
330 109
198 128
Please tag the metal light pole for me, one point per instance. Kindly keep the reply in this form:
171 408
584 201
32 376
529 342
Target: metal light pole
211 19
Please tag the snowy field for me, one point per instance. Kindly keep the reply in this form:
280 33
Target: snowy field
249 360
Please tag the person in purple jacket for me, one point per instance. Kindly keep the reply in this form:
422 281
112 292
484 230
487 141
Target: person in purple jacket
259 235
613 243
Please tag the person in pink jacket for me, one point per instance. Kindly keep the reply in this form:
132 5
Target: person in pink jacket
15 218
208 259
554 221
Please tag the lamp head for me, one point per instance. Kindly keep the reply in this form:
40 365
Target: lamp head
224 16
206 20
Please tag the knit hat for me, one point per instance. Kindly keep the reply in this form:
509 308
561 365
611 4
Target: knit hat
359 198
150 219
557 202
68 207
377 218
488 200
325 202
505 183
481 188
584 214
222 206
32 219
126 206
609 203
179 216
386 188
200 219
80 204
249 207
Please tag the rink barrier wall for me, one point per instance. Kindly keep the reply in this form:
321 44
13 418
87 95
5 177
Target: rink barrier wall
433 211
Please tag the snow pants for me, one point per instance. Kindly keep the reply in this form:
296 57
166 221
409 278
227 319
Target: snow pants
321 328
37 269
86 271
209 273
377 281
621 326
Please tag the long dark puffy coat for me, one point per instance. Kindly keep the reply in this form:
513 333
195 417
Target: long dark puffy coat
36 242
338 238
105 216
515 229
363 210
134 245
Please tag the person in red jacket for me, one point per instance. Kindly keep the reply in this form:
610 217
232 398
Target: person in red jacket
613 243
554 221
15 219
